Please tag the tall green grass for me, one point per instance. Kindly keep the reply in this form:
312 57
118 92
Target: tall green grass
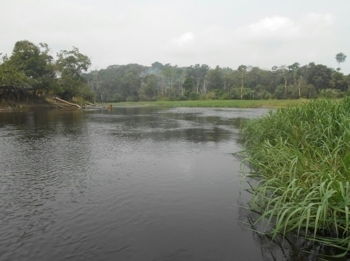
300 157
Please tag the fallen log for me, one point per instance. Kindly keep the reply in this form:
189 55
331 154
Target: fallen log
67 102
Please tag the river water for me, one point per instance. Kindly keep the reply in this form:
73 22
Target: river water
131 184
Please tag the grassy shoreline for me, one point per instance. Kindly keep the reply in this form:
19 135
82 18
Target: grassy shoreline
301 159
214 103
273 103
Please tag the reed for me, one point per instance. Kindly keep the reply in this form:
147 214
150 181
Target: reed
300 157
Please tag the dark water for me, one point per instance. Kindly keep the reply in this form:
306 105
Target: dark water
132 184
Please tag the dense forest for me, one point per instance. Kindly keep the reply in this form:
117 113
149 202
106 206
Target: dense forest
32 67
135 82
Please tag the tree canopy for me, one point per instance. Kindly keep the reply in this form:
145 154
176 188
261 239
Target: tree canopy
65 75
32 66
340 57
165 81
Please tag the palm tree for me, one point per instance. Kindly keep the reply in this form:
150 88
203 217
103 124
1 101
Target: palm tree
340 57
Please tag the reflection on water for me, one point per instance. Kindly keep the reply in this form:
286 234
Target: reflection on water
131 184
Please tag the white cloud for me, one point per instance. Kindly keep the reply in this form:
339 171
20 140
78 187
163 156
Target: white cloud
184 39
319 19
226 34
281 28
266 42
272 24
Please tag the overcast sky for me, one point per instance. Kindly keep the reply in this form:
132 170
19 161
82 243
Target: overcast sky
184 32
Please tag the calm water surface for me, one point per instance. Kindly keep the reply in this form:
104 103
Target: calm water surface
131 184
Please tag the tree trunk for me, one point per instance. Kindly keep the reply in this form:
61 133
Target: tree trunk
242 85
285 87
204 87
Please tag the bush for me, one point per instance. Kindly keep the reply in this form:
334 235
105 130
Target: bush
132 98
263 94
209 96
308 91
193 96
117 98
331 93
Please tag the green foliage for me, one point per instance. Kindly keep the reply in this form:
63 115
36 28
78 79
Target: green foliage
35 63
340 57
188 85
308 91
167 82
339 82
318 75
209 95
31 66
11 76
70 65
193 96
215 79
331 93
263 94
148 90
300 157
24 68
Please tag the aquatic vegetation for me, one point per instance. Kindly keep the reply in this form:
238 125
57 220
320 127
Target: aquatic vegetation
300 157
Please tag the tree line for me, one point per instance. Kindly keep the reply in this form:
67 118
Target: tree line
31 67
135 82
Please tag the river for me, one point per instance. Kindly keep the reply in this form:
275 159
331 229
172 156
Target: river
130 184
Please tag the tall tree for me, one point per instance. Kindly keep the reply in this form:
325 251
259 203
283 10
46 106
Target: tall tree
35 62
70 65
148 90
318 75
215 79
340 57
189 85
294 70
11 76
243 70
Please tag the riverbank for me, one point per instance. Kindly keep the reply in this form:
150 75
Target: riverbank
214 103
41 103
301 158
22 106
170 104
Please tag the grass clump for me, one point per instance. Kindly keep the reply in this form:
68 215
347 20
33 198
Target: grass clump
301 159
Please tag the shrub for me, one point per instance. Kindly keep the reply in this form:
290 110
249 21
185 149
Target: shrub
331 93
